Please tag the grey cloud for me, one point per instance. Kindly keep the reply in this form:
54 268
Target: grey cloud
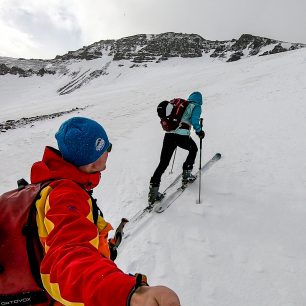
50 37
68 25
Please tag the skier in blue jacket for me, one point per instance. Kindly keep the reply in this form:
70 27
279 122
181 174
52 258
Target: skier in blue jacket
179 138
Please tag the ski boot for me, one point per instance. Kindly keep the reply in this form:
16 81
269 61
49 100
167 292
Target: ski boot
187 177
154 194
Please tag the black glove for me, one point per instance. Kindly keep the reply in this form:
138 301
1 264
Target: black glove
201 134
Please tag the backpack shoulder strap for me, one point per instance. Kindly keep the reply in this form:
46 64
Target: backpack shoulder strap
30 230
96 211
34 247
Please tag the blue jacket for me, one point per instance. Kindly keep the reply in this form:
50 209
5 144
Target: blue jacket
192 114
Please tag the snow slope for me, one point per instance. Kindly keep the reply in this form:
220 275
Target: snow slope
245 244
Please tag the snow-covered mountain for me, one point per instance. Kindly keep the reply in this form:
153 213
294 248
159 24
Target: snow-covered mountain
244 245
140 51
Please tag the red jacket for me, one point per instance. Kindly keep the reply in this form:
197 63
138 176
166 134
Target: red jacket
75 269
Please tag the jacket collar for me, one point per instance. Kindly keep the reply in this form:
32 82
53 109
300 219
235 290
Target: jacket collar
53 167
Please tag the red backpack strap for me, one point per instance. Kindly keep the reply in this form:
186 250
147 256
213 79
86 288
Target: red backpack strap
34 248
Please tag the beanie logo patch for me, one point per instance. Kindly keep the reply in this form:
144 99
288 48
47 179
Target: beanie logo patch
100 143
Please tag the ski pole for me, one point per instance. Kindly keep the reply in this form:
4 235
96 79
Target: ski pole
173 161
119 233
115 242
200 164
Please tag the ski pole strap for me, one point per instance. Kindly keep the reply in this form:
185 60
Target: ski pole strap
141 280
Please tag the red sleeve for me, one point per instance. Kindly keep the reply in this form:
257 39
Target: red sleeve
73 270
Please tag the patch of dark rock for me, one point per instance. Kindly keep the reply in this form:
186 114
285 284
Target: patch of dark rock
277 49
4 69
14 124
235 56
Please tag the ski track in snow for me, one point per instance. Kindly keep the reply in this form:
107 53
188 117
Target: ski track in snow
244 245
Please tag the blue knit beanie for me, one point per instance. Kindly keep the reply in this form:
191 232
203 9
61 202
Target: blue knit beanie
196 97
81 141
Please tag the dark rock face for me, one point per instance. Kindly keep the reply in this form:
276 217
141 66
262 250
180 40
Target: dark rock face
149 48
235 56
251 42
175 45
83 54
251 45
4 69
278 49
219 51
14 124
144 48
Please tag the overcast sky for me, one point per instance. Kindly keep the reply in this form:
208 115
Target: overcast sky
45 28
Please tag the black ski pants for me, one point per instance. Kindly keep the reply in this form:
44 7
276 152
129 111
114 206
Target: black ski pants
171 142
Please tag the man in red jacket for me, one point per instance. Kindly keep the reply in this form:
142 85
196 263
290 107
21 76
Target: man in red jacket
76 269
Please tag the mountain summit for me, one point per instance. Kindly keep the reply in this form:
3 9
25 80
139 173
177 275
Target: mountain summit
147 48
140 50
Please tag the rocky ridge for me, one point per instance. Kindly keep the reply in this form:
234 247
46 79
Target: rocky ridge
139 50
147 48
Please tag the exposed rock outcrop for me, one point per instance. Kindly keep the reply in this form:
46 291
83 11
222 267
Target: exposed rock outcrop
139 51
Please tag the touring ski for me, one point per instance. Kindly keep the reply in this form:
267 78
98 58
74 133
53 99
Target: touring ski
167 201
